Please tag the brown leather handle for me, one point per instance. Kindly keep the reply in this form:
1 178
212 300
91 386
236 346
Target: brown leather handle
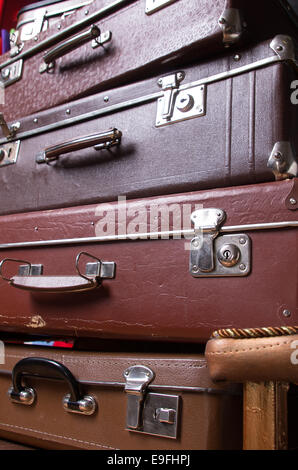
54 284
103 140
30 276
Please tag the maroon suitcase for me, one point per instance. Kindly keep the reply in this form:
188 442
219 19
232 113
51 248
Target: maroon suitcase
224 122
136 44
236 266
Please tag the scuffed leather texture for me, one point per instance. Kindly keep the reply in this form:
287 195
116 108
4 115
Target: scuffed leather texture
183 31
243 128
208 420
254 359
153 295
87 69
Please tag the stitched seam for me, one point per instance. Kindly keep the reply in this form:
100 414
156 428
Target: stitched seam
55 435
257 348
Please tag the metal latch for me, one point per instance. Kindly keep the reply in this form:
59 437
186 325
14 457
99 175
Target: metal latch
179 104
149 413
9 153
11 74
212 255
283 161
231 25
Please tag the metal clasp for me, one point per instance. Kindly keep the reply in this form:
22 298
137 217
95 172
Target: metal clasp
212 255
147 412
137 380
179 103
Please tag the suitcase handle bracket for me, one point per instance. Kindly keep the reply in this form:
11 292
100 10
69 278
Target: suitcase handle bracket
30 276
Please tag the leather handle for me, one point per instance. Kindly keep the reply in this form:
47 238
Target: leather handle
30 276
103 140
46 368
74 402
71 44
54 284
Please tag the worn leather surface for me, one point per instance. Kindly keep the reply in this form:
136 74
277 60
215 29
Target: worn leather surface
205 417
86 69
153 295
185 30
254 359
230 145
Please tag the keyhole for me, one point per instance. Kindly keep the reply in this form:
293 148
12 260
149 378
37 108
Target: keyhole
227 254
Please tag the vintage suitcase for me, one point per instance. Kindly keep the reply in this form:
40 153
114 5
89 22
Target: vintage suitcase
43 73
236 265
107 401
227 122
39 16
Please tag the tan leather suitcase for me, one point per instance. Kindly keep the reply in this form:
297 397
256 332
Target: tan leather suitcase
66 399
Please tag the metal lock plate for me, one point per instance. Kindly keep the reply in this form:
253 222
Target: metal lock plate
231 255
161 415
188 104
9 153
154 5
11 73
149 413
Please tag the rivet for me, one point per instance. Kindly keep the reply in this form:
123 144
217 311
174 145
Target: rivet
36 38
222 20
59 26
279 48
86 12
35 120
242 267
195 268
36 229
237 57
106 99
242 241
68 111
292 201
286 313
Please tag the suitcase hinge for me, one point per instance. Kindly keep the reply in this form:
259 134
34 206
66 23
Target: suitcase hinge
282 161
212 255
178 105
149 413
231 25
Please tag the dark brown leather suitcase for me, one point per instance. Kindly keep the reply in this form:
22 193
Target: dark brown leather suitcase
39 16
224 122
65 399
135 44
236 265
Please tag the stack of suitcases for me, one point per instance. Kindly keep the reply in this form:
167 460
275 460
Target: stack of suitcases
149 196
